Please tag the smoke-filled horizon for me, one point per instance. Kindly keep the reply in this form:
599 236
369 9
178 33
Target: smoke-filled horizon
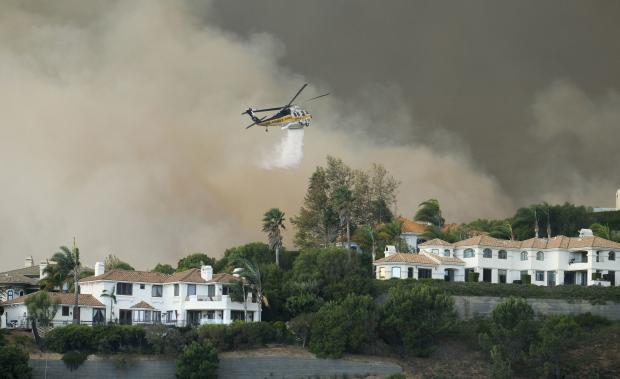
120 127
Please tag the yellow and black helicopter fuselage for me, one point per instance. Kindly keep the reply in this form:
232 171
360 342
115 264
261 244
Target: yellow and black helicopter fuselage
289 116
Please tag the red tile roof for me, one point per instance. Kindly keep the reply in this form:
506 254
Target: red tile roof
63 298
407 258
193 276
445 260
129 276
142 305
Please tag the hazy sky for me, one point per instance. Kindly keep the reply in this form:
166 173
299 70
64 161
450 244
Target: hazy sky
121 120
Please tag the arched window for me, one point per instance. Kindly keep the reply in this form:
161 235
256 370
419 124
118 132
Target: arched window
468 253
487 253
21 293
612 255
502 254
524 255
446 253
540 256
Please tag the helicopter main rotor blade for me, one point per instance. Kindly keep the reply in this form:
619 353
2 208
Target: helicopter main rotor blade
268 109
317 97
297 94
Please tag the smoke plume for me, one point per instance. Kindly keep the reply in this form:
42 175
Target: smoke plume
120 126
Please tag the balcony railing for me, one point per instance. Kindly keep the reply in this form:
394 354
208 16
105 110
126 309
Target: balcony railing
583 259
203 298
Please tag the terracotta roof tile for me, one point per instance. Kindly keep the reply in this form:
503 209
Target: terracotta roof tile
445 260
193 276
407 258
436 242
484 240
63 298
130 276
410 226
142 305
557 242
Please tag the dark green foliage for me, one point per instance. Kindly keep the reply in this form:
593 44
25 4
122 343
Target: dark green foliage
415 317
526 279
590 321
14 363
164 269
300 327
592 293
104 339
396 376
240 335
334 274
430 211
198 361
557 335
74 359
512 330
345 326
194 261
258 252
168 340
473 276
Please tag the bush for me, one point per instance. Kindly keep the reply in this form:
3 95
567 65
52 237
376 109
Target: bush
558 334
14 363
511 331
198 361
71 337
346 326
74 359
396 376
526 279
104 339
241 335
473 276
590 321
415 317
168 340
300 327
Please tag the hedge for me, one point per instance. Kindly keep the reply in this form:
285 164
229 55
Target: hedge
241 335
97 339
592 293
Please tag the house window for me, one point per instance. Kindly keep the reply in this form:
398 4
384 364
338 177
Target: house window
487 253
124 289
9 294
540 276
446 253
157 290
524 255
191 289
435 251
156 316
381 272
65 311
468 253
612 255
502 254
395 272
540 256
410 272
142 286
21 293
425 273
176 289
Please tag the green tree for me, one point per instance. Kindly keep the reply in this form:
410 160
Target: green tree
112 262
164 268
41 307
67 269
251 273
198 361
273 224
195 260
254 251
301 326
430 211
602 231
344 203
416 317
511 331
328 336
14 363
557 335
384 190
391 234
112 296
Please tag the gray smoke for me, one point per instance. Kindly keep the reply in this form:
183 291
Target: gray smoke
121 126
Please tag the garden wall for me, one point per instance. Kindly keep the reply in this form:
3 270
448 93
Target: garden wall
471 306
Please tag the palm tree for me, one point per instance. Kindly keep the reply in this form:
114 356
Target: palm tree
238 293
272 222
68 268
390 233
112 296
344 203
429 211
252 275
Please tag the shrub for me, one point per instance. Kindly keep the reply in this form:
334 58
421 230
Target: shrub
14 363
300 327
241 335
590 321
104 339
74 359
198 361
71 337
416 317
473 276
167 340
511 330
558 334
396 376
526 279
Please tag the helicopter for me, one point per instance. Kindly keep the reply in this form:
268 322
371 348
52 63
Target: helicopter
289 116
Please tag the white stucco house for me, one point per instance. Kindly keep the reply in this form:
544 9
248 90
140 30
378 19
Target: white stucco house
585 260
92 311
424 265
192 297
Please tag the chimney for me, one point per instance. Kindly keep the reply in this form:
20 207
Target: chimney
28 262
99 268
390 250
206 272
585 233
42 265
